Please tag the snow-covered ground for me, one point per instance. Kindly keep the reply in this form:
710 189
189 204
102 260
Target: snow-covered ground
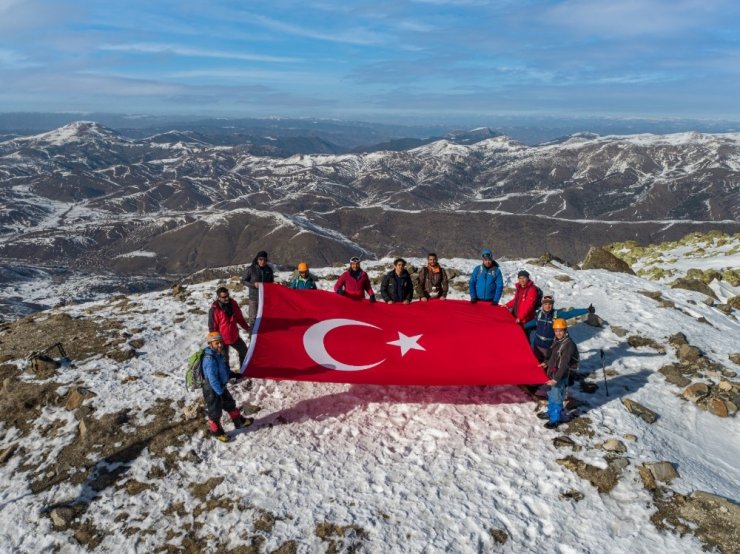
415 469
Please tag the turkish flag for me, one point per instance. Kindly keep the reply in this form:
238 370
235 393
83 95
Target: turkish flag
313 335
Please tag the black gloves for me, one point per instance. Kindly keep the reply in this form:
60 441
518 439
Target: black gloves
494 303
372 298
591 309
473 300
340 292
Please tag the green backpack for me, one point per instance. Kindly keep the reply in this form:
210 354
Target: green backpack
194 371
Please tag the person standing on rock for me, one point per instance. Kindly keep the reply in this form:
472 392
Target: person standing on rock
258 272
524 303
354 282
225 316
542 324
432 281
216 375
563 357
486 282
397 286
304 279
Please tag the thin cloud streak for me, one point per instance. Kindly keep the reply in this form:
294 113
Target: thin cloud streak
154 48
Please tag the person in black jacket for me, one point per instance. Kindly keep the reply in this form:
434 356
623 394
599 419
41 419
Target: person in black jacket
259 272
563 357
397 285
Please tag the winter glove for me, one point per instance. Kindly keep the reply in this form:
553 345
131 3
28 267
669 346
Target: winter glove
340 292
494 303
473 300
372 298
591 309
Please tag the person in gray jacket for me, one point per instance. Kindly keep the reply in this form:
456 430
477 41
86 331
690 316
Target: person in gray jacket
258 272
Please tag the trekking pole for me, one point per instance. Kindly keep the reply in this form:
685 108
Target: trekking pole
603 370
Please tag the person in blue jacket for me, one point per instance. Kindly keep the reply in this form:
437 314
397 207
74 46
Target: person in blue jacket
486 282
542 325
216 375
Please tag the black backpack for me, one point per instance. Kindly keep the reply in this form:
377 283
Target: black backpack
538 301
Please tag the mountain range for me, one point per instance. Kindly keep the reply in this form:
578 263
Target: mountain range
85 196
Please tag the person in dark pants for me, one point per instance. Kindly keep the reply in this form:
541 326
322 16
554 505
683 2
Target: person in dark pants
225 316
216 375
397 285
258 272
541 325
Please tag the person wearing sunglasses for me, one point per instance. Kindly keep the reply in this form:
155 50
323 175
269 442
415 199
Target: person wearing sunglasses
225 316
354 282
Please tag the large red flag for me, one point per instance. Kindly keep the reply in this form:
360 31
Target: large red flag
313 335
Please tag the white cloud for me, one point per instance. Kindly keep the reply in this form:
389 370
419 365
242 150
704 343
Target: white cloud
633 17
156 48
362 37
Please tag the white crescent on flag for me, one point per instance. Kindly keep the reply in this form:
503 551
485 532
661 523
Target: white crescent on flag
313 343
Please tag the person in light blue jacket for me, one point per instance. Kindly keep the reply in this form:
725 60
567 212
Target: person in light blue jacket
486 282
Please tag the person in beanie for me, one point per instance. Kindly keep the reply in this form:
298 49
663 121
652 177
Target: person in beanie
258 272
225 316
304 280
524 303
432 281
563 356
397 285
354 282
486 282
216 375
542 325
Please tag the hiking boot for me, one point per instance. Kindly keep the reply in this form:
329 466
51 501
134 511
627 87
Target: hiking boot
220 436
552 424
241 422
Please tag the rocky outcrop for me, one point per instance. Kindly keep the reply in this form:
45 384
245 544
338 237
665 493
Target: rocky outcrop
600 258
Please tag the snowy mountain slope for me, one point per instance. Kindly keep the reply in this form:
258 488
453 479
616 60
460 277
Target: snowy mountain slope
364 468
59 187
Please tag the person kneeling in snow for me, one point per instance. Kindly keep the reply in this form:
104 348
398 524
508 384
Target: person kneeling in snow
563 356
542 325
216 375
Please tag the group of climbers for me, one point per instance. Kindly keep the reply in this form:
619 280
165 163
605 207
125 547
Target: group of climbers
534 311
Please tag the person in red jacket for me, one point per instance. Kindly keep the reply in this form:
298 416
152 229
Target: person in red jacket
524 304
354 282
225 316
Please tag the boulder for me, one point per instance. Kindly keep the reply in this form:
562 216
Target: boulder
636 341
663 471
499 535
654 294
696 392
735 358
717 407
725 308
6 453
619 331
687 353
614 445
678 339
564 441
599 258
76 397
694 284
646 414
673 375
61 517
594 321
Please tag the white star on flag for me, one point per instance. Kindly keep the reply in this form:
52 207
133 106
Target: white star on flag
406 343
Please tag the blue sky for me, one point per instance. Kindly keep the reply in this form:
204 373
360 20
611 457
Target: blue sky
375 60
